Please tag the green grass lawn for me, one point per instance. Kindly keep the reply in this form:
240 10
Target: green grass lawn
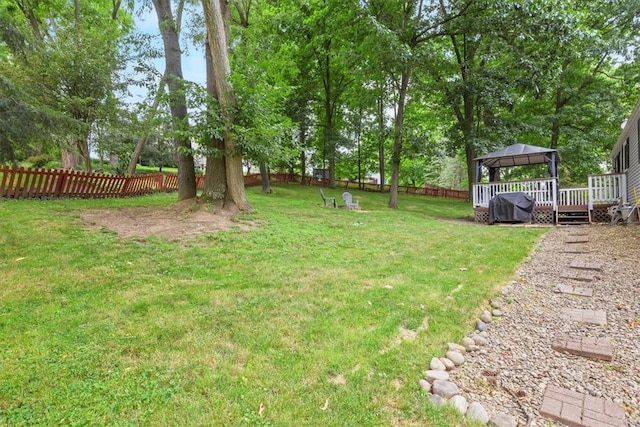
294 323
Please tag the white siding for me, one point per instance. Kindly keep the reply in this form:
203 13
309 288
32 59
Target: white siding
633 172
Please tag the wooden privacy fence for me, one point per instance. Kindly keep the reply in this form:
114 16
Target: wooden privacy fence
427 190
37 183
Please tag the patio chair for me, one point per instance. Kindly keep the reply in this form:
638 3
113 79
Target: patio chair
349 203
615 212
328 201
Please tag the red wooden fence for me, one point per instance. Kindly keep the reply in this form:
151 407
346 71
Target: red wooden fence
35 183
428 190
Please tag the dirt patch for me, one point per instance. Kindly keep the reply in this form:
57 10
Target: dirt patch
182 221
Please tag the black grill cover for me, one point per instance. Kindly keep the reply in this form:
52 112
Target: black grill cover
511 207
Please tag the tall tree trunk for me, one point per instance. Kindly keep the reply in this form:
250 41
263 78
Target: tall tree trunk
142 140
396 156
177 102
215 176
69 160
469 134
381 135
329 141
217 37
302 138
264 175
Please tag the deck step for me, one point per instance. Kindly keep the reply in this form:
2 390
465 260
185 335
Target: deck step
573 217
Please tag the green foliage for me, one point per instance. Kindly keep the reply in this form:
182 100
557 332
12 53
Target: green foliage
40 161
100 329
66 63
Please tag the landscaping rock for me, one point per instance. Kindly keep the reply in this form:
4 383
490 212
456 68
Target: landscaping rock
486 317
477 412
466 342
456 347
444 389
472 348
481 326
460 403
425 385
432 375
437 365
496 313
455 357
479 340
503 420
447 363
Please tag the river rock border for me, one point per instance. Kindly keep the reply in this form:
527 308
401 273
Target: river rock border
437 382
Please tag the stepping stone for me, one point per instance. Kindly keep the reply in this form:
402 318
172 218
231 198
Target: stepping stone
597 317
592 348
575 249
574 240
580 410
580 265
579 276
575 290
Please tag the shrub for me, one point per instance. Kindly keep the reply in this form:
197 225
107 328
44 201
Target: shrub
40 161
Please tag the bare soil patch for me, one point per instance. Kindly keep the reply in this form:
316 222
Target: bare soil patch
182 221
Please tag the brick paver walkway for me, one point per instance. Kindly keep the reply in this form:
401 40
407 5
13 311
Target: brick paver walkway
581 410
587 316
575 290
593 348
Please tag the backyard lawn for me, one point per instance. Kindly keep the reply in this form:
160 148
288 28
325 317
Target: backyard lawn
295 322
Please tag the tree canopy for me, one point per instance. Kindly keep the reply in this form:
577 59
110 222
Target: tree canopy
349 88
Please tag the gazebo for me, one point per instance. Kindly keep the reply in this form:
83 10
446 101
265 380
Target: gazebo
517 155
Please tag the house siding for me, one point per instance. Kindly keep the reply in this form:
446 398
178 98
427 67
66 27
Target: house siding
632 135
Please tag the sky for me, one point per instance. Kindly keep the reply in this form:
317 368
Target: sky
193 64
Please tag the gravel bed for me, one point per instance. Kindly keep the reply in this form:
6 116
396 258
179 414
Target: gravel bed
510 374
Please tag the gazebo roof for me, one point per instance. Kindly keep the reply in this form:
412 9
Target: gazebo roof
516 155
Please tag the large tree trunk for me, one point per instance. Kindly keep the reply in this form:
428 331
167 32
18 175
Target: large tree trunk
69 159
177 103
214 12
215 176
396 156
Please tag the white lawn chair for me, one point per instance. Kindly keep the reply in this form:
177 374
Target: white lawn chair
349 203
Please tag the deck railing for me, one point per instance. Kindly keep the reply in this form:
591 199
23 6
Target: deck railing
543 191
573 196
604 189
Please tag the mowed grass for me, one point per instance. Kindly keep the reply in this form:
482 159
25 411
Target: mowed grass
296 322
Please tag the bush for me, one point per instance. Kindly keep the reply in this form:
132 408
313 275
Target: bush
40 161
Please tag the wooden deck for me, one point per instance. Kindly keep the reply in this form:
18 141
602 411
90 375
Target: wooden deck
555 205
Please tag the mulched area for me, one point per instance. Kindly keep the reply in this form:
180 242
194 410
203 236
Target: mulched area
520 357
